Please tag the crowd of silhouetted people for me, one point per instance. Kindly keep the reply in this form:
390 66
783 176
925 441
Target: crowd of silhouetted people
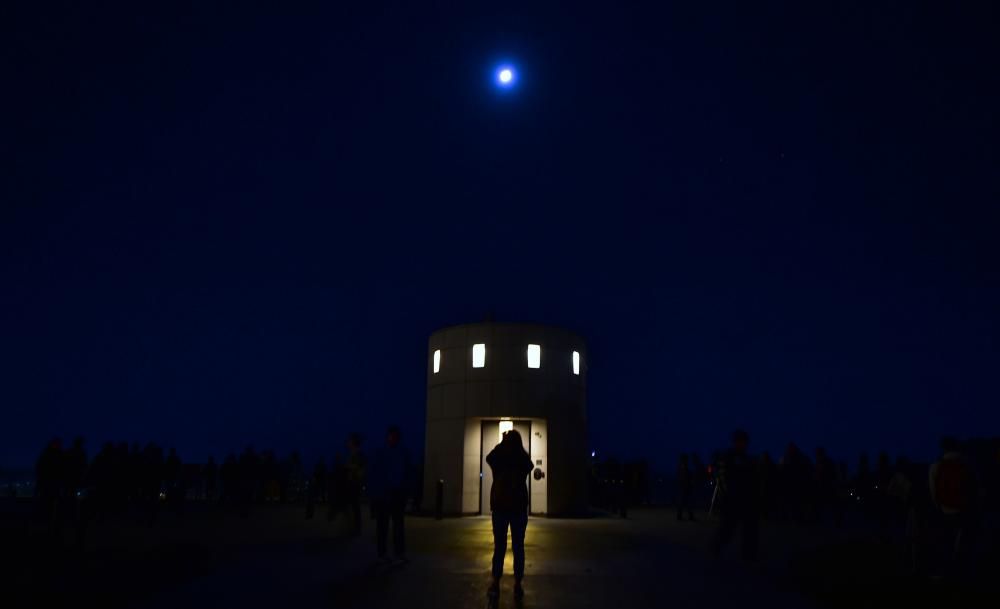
145 482
942 508
946 508
941 511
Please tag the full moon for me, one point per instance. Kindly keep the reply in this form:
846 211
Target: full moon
506 76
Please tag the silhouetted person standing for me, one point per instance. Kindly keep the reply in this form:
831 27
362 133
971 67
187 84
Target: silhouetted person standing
173 481
48 486
249 476
102 479
509 503
292 478
210 476
270 483
76 467
699 477
152 480
317 487
864 484
898 492
230 475
685 488
882 504
766 477
133 473
355 480
795 478
824 487
953 491
388 488
738 495
74 483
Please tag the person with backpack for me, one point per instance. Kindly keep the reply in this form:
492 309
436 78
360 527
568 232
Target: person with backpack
509 503
953 491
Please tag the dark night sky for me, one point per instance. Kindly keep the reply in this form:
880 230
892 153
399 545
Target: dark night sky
224 224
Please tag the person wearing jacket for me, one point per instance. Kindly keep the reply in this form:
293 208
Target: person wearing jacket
954 490
509 503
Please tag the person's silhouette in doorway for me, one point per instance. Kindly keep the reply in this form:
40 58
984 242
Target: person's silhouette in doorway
509 503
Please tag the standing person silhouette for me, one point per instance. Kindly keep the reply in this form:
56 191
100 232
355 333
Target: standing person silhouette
509 503
355 467
210 475
685 488
388 487
739 490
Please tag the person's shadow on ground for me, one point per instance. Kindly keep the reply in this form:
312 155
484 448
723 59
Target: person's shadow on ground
493 602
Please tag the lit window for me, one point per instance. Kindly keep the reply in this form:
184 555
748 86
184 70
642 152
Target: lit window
437 361
505 426
478 355
576 362
534 356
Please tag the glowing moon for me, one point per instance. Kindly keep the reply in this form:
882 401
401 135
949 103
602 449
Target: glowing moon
506 76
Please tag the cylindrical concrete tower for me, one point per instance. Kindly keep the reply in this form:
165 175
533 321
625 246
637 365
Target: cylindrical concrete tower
487 378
